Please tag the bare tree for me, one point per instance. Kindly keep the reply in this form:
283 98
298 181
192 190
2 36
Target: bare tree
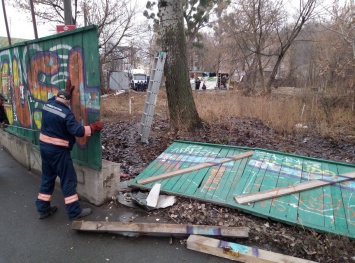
249 29
182 108
197 15
47 10
287 35
264 32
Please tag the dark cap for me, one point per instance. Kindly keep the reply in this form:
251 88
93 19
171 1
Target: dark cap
64 95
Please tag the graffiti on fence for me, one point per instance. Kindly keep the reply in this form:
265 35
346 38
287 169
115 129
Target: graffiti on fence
30 76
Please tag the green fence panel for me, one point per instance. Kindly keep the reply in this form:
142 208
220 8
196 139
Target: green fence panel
33 71
328 208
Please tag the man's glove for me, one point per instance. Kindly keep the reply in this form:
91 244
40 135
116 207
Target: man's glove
97 126
68 87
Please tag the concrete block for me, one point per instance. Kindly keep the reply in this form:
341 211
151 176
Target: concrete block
17 147
35 160
98 186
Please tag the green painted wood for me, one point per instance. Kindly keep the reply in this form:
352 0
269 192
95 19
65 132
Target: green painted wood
348 199
265 180
192 157
180 182
249 175
338 212
235 180
224 182
327 209
207 187
197 188
269 169
164 162
326 199
193 180
286 207
310 210
40 68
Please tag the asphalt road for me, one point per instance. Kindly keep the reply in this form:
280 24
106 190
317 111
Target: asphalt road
25 238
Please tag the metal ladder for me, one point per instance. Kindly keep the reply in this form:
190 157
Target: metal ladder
152 93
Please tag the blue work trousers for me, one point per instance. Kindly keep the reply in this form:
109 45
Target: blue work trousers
56 161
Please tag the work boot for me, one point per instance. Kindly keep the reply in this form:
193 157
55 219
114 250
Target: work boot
50 211
84 212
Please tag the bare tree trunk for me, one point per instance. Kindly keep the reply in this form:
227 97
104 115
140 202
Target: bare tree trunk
305 13
182 108
274 72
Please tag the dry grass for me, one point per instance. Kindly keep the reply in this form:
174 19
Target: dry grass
280 111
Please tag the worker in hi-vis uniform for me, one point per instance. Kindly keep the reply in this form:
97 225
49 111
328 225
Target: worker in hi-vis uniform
57 137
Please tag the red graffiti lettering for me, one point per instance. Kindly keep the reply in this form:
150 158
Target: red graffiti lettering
76 75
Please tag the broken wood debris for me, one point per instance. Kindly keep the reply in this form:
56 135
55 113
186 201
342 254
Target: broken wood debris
154 228
238 252
196 167
295 188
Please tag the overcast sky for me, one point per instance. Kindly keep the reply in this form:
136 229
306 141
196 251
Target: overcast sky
18 25
21 27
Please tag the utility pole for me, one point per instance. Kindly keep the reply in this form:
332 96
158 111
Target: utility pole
85 15
6 24
68 19
34 19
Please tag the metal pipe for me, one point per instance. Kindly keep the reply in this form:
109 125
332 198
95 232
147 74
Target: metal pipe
6 24
34 19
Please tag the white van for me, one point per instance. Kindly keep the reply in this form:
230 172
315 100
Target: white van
138 76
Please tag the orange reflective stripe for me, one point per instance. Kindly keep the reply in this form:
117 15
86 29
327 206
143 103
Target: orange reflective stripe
71 199
87 131
44 197
54 141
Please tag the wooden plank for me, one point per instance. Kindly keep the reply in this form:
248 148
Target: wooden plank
191 178
196 167
201 154
238 252
157 164
243 199
154 228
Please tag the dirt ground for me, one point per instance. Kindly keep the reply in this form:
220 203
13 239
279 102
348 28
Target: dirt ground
121 143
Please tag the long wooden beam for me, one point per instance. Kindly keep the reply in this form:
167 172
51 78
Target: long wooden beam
259 196
194 168
157 228
238 252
